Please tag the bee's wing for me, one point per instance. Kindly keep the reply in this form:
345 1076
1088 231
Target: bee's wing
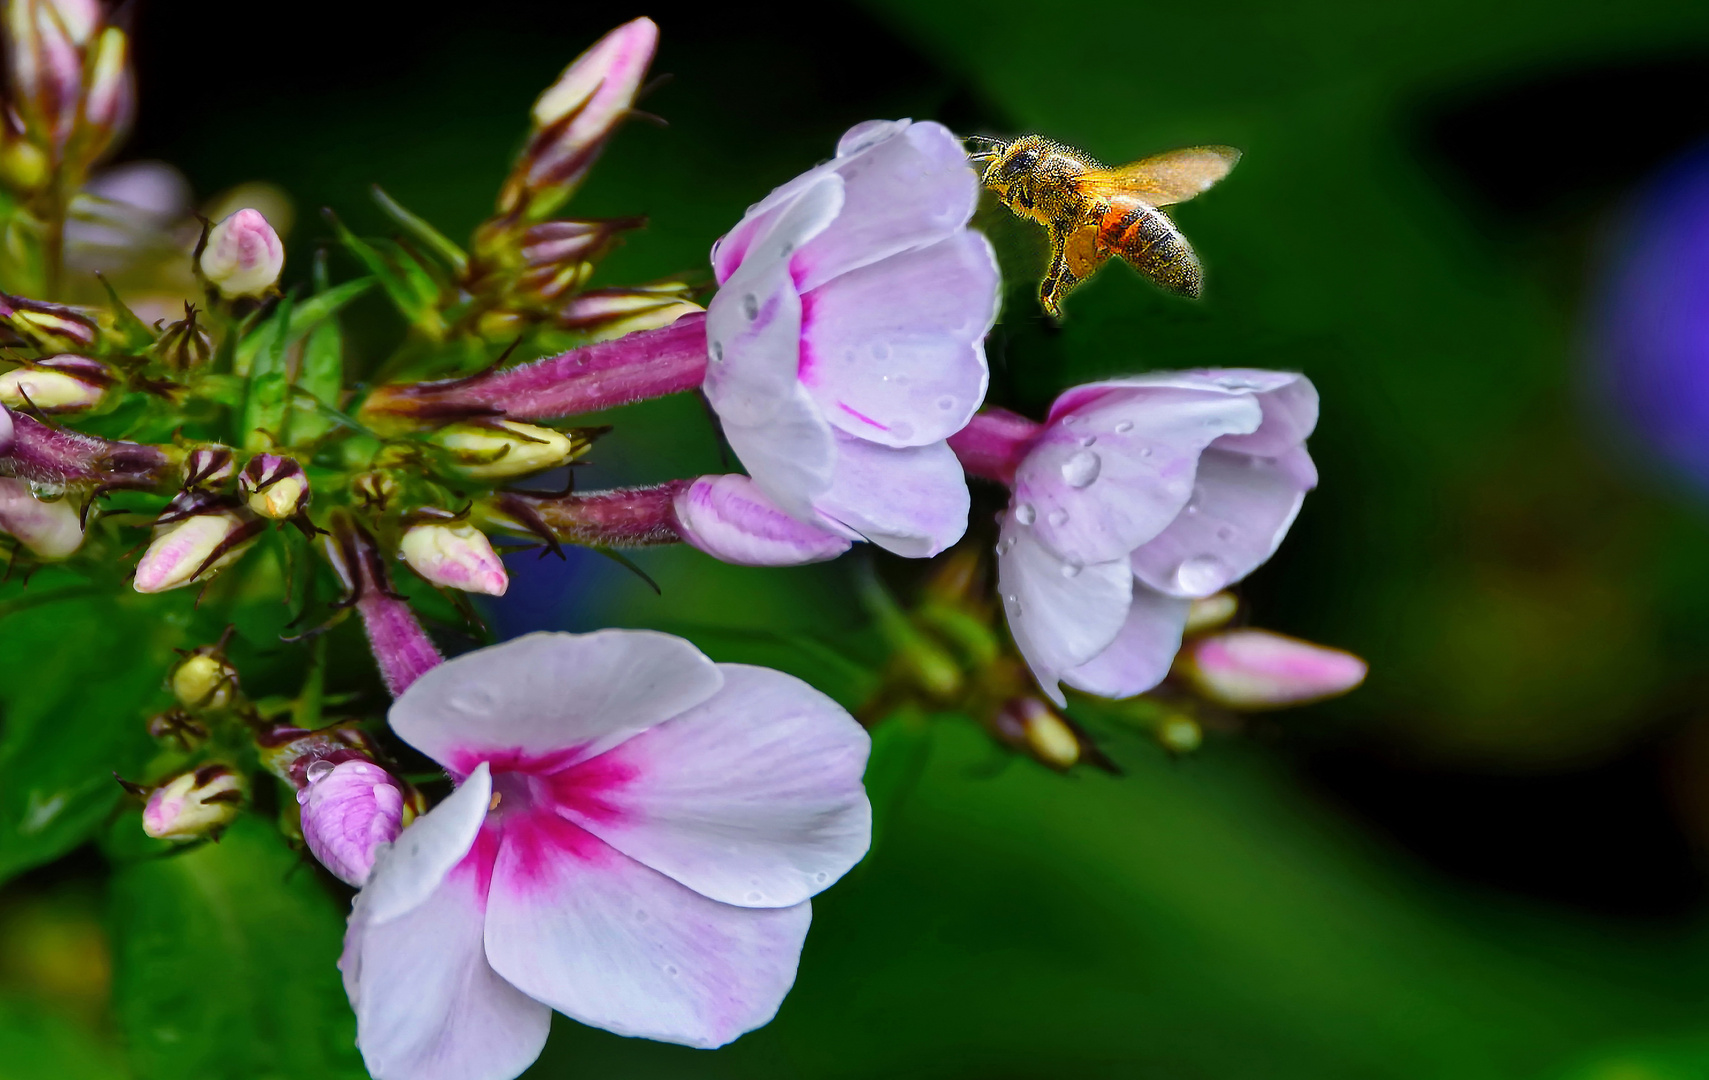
1171 177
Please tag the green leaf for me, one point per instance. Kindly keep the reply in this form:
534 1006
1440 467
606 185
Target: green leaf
321 375
436 242
38 1045
225 964
304 317
410 286
134 333
269 400
74 676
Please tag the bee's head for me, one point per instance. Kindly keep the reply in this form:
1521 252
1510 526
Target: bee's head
1007 162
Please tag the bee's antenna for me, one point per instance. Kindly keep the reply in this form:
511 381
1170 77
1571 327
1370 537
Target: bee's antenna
983 147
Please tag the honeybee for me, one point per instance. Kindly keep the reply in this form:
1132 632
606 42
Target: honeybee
1093 212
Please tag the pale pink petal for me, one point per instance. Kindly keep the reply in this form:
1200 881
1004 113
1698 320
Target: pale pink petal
1061 614
792 457
1240 510
1114 472
1256 669
912 501
428 1005
1288 399
578 925
904 187
730 519
407 873
753 797
565 695
1142 652
348 815
753 324
894 352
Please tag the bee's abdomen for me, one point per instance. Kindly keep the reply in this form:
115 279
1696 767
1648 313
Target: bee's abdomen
1147 238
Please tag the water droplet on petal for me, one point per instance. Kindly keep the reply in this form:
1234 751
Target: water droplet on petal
946 403
1058 518
751 306
755 897
1081 469
47 490
317 770
1225 532
1200 575
821 877
1088 440
1025 514
670 969
1070 420
717 352
1145 451
1005 545
1012 604
1071 569
1124 427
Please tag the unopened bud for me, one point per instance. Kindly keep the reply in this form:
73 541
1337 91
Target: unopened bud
348 811
243 255
1180 734
498 449
49 529
578 113
610 313
204 681
46 39
208 466
110 103
275 487
1031 725
194 805
49 326
184 344
1210 612
1256 669
455 556
374 489
58 384
195 539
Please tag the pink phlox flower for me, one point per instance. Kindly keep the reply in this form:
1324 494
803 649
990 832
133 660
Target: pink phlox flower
846 340
1136 497
633 842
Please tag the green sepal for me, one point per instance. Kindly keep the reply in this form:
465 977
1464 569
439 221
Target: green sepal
435 242
405 280
268 402
305 316
134 335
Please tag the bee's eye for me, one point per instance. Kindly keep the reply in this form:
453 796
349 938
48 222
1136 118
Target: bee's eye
1022 160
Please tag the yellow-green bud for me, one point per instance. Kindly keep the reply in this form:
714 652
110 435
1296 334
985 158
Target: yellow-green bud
194 805
500 449
204 681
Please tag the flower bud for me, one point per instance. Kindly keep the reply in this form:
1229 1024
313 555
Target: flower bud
348 811
184 345
374 489
59 384
194 805
604 314
178 726
204 681
455 556
195 539
110 103
498 449
208 466
243 255
1210 612
1256 669
50 530
1031 725
49 326
275 487
45 54
1180 734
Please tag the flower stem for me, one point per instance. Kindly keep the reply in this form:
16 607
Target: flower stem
624 517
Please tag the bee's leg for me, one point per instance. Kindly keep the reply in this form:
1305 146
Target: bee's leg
1074 256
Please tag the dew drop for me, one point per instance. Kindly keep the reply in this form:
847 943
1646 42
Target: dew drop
755 897
47 490
1124 427
1200 575
1012 604
1225 532
946 403
821 877
1145 451
1192 508
670 969
1088 440
1025 514
317 771
1070 420
1005 545
1081 469
1058 518
717 352
1071 569
751 306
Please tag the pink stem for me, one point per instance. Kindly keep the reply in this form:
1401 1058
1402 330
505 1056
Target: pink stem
993 443
32 450
401 647
625 517
636 367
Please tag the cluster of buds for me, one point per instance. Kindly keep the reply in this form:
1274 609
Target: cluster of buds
72 92
197 536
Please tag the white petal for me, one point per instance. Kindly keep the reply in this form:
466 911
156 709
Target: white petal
1142 652
1241 509
753 797
894 352
1060 614
912 501
791 456
428 1006
407 871
566 695
729 518
1114 472
606 941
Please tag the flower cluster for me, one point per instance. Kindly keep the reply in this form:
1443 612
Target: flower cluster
630 833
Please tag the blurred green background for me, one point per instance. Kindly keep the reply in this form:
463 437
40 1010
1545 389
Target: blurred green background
1485 863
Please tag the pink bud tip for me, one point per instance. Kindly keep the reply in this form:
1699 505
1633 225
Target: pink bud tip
348 811
1256 669
243 256
455 556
